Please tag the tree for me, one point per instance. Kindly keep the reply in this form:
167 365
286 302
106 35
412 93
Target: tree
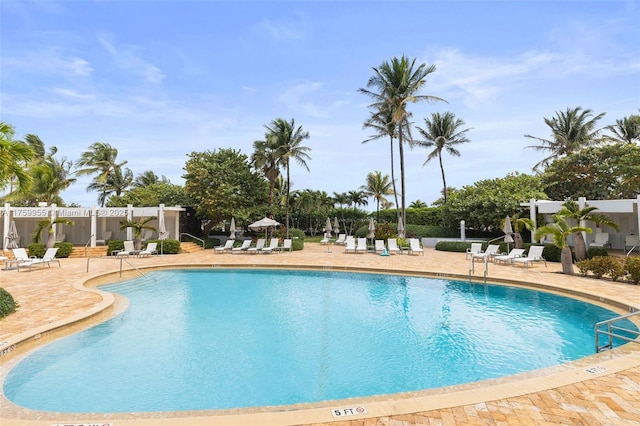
610 171
99 160
571 131
418 204
13 157
356 198
48 224
571 210
377 186
626 130
395 84
152 195
222 185
289 139
138 227
148 178
265 158
560 232
518 225
442 132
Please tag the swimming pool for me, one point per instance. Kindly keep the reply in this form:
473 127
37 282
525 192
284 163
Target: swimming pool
195 340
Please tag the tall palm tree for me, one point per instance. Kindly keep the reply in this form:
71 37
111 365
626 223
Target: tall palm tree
395 83
148 178
418 204
99 160
50 177
571 210
560 231
356 198
14 156
571 130
443 133
626 130
265 158
378 186
519 224
289 139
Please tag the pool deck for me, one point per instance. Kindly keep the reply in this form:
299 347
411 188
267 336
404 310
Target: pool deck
602 389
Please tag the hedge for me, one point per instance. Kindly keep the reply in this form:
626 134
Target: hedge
38 249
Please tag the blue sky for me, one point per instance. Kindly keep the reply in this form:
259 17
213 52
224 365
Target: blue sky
160 79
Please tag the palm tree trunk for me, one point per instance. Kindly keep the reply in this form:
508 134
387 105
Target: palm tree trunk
444 181
402 197
393 176
580 246
566 261
286 224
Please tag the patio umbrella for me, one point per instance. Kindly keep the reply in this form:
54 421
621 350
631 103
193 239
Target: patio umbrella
232 229
162 231
336 226
372 229
13 239
328 229
400 228
264 224
508 230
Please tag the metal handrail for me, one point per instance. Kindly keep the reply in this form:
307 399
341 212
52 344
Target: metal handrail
192 236
86 246
121 259
633 248
611 331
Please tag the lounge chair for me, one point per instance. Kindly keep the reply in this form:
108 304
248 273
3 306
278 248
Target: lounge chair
631 241
350 245
149 250
128 249
361 247
244 247
414 246
489 253
341 239
602 240
380 246
226 247
474 249
534 255
20 255
392 244
49 256
106 236
507 258
326 239
286 245
259 246
273 245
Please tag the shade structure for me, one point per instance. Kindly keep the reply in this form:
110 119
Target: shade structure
328 228
400 228
264 224
508 230
232 229
13 239
336 226
372 229
162 231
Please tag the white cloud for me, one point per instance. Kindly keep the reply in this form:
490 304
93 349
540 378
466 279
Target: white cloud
127 59
281 31
50 61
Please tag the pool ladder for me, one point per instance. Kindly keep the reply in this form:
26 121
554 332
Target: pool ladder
610 329
472 265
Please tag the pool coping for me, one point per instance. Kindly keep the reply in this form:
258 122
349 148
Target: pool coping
608 362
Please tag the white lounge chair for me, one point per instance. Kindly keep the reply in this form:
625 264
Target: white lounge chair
414 246
273 245
475 248
392 244
106 236
601 240
350 245
49 256
149 250
326 239
380 246
286 245
489 253
361 247
507 258
244 247
259 246
534 255
226 247
128 249
341 239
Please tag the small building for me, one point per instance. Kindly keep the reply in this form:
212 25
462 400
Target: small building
624 213
91 225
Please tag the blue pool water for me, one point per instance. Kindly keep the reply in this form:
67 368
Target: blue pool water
194 340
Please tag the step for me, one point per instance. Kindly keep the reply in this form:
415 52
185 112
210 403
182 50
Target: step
190 247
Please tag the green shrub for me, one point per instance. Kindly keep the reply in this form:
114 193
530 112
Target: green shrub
7 304
166 246
632 267
599 266
64 249
36 249
296 234
584 266
597 252
551 253
616 268
454 246
297 244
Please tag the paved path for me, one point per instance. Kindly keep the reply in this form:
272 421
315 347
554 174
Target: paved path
569 394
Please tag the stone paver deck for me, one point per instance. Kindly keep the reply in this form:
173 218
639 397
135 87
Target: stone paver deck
569 394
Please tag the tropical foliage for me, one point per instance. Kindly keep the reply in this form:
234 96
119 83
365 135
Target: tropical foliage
48 224
378 187
14 156
138 226
560 231
101 160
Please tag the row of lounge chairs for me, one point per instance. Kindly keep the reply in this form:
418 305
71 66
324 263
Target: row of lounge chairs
360 246
260 247
23 261
129 250
515 256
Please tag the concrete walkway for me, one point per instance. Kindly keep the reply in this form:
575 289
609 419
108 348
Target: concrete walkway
602 389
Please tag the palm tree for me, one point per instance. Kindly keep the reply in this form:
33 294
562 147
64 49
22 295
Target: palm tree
397 83
48 224
571 210
265 158
626 130
571 131
560 231
50 177
377 186
418 204
289 139
99 160
138 227
14 155
356 198
519 224
442 132
148 178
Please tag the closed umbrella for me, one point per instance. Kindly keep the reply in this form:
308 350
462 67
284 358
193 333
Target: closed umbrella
336 226
508 230
328 229
232 229
13 239
162 231
372 229
400 229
